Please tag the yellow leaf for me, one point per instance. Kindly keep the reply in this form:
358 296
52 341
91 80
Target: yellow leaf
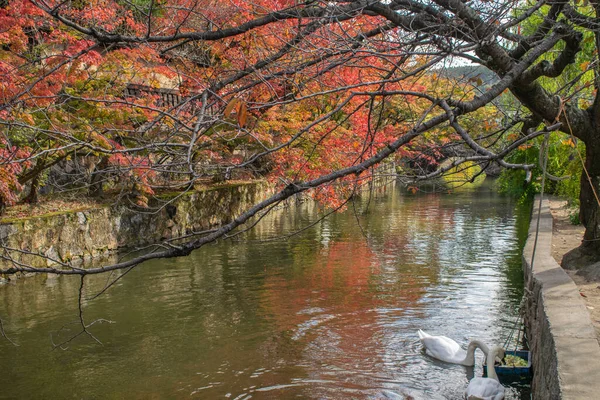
584 65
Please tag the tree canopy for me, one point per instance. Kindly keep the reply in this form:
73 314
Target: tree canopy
141 96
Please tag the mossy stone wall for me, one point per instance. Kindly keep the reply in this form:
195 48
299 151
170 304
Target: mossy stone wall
83 235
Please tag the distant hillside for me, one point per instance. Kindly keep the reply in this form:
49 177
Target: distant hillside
470 72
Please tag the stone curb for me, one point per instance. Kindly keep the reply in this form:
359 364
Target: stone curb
562 340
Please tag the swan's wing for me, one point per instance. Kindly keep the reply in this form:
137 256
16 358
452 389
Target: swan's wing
444 341
450 344
443 348
485 389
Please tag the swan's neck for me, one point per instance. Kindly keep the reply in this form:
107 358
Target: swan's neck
473 345
491 360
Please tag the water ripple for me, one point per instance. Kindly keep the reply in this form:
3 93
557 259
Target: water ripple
327 314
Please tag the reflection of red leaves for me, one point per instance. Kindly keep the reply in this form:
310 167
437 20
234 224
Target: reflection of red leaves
413 189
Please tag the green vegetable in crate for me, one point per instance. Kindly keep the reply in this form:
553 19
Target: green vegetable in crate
514 361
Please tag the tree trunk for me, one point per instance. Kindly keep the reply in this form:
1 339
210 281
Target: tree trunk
589 213
96 183
32 196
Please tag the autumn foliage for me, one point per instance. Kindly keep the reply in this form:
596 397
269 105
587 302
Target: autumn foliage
129 98
142 96
66 95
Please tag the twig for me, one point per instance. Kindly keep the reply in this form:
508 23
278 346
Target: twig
81 322
4 333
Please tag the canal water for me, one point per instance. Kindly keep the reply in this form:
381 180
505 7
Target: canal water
330 313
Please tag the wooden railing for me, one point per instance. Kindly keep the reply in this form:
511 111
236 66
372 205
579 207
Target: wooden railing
167 97
171 98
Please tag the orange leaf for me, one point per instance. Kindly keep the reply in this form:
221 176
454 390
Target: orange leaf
230 107
242 114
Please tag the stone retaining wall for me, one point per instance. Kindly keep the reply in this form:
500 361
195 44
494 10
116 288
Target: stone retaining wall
564 346
91 233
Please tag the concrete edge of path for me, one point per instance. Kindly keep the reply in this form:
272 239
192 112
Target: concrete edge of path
563 343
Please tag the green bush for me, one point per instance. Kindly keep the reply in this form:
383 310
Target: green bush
574 218
563 161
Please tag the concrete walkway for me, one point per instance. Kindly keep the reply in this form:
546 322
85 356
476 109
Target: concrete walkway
566 353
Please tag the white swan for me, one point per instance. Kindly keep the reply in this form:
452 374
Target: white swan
487 388
446 349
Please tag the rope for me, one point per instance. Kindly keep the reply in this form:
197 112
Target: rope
517 326
537 231
537 227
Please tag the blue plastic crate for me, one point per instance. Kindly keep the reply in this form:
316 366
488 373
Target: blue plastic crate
513 373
